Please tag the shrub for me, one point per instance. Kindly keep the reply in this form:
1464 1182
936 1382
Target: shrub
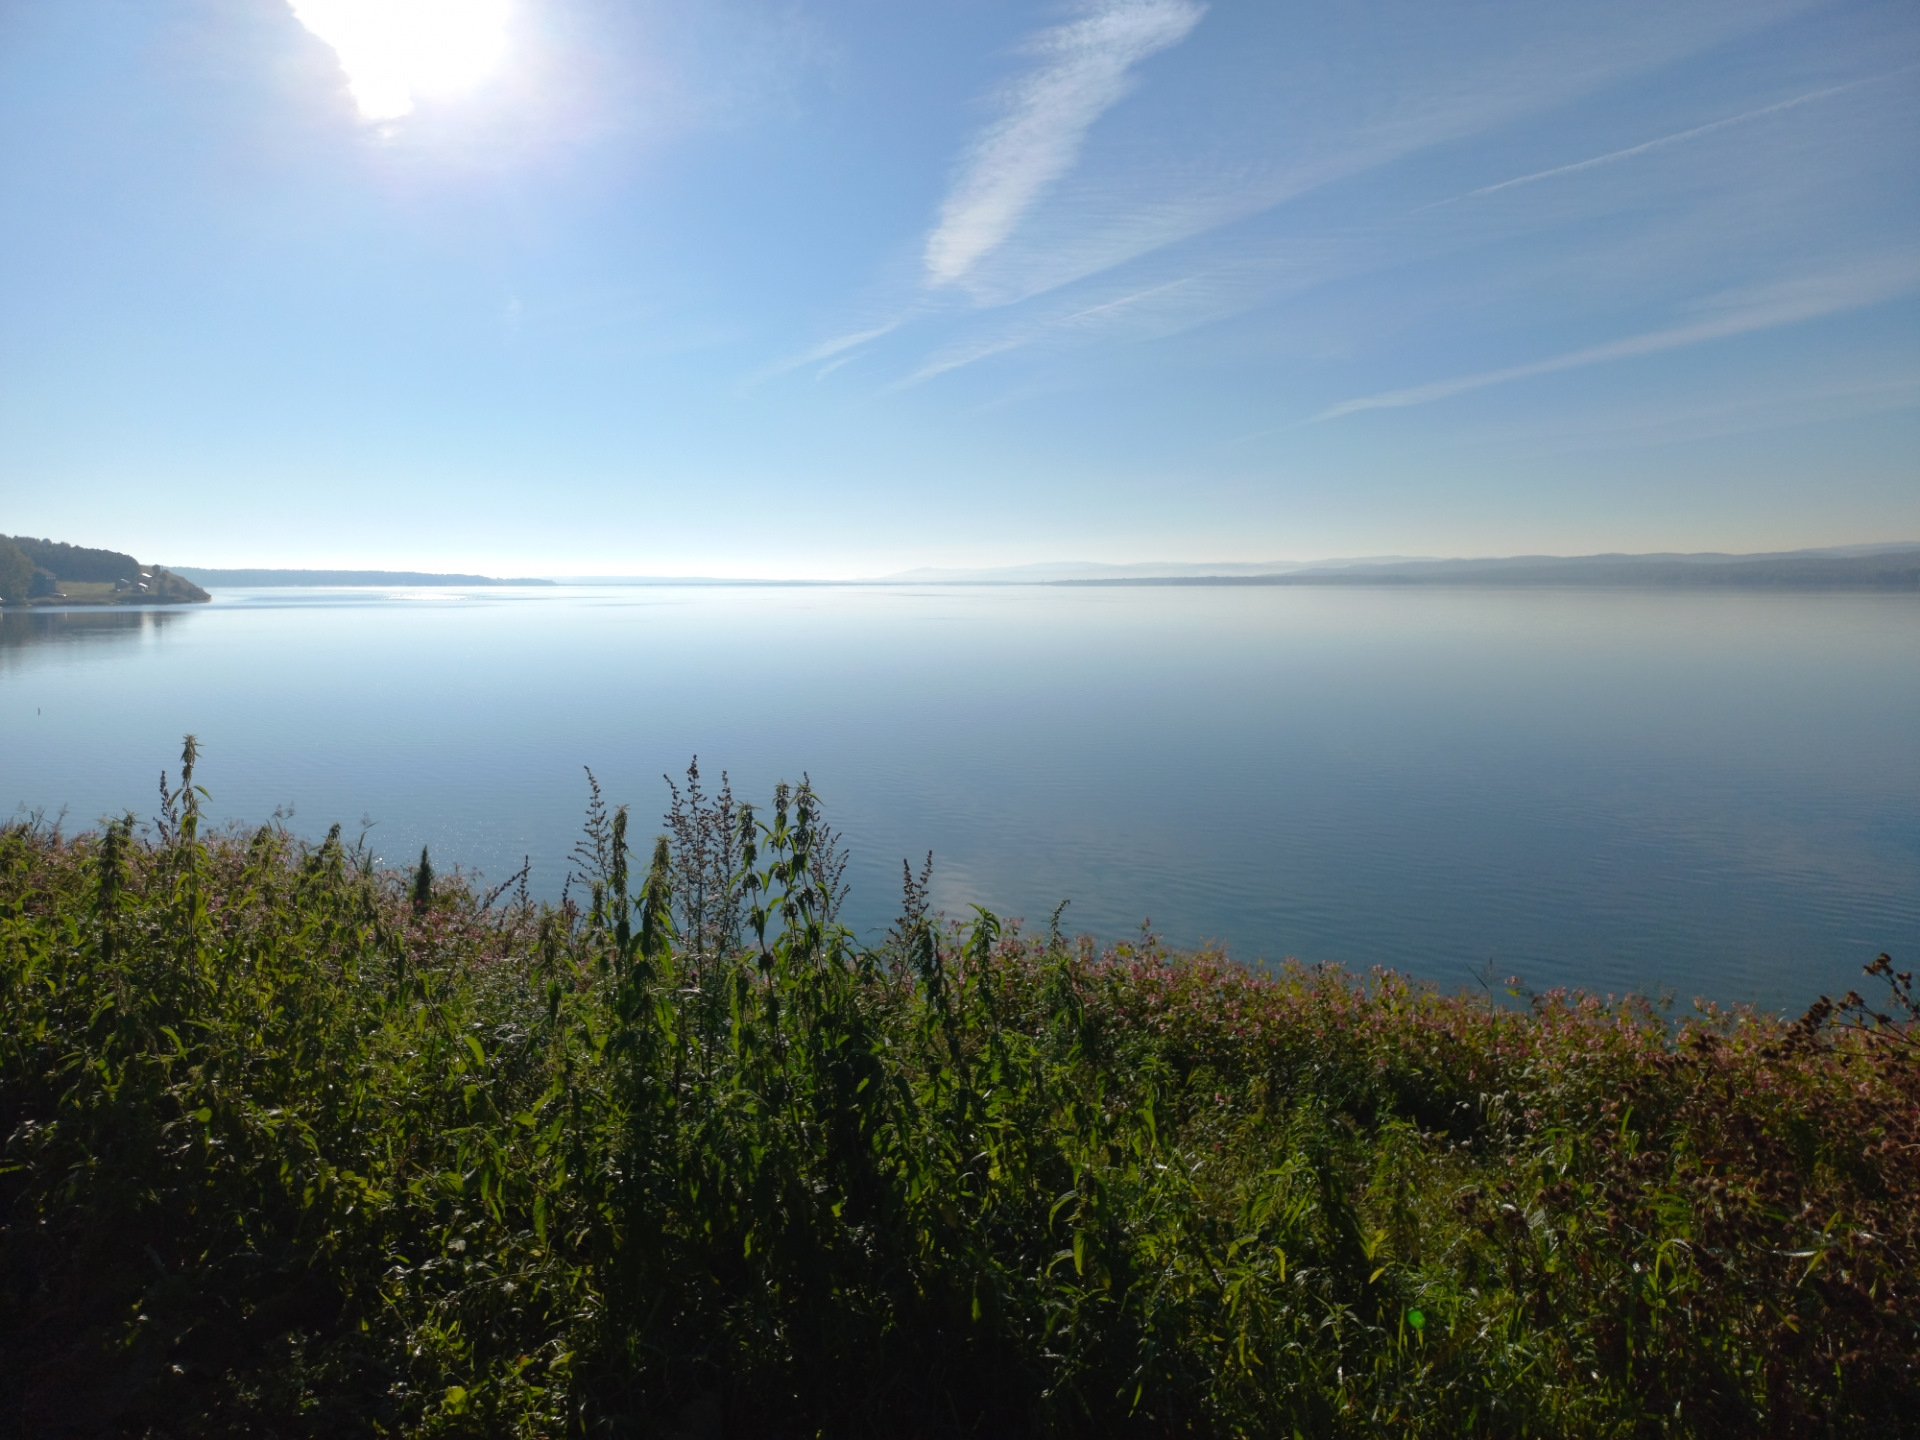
16 573
296 1146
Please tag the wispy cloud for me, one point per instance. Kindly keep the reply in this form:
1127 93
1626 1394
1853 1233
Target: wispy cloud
1156 221
1108 318
1085 68
956 357
1109 308
843 343
838 350
1755 409
1665 140
1783 304
1305 117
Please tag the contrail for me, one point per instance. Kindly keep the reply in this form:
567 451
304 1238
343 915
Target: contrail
1666 140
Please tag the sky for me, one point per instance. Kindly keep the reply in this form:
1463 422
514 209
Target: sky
839 288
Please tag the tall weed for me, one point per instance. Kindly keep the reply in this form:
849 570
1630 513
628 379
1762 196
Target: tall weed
294 1145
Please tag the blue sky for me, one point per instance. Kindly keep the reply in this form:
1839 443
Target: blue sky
845 287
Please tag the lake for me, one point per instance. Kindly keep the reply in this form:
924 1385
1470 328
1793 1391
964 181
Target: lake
1712 794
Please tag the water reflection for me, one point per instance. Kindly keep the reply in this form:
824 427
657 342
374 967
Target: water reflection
1718 793
97 625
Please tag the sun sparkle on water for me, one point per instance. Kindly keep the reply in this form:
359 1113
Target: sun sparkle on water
394 51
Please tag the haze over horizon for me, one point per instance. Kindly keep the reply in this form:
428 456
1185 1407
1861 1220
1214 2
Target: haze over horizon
560 287
1041 571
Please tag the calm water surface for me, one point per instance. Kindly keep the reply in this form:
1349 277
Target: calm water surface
1714 794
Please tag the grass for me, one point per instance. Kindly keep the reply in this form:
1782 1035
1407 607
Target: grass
90 592
294 1146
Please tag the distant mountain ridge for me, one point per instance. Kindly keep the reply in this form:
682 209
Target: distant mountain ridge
1876 566
266 578
1881 566
1879 570
1052 572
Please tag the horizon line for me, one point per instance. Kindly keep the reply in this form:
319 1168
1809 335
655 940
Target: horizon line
1014 574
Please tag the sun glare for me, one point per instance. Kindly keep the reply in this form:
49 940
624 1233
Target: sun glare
395 51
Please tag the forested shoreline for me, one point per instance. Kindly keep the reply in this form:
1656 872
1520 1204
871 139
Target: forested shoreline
51 572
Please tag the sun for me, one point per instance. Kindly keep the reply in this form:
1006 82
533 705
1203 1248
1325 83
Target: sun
397 50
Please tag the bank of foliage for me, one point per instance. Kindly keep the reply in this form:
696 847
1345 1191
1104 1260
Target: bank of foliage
294 1146
16 573
35 569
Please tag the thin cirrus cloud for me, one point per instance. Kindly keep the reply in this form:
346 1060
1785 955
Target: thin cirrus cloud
1665 140
1175 212
829 354
1096 318
1085 69
1030 214
1389 85
1788 303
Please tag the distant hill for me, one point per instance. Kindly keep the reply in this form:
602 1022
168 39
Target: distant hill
52 572
1871 568
1048 572
254 578
1878 566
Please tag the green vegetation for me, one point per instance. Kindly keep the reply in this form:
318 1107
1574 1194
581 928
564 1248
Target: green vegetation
299 1147
52 572
16 573
77 562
